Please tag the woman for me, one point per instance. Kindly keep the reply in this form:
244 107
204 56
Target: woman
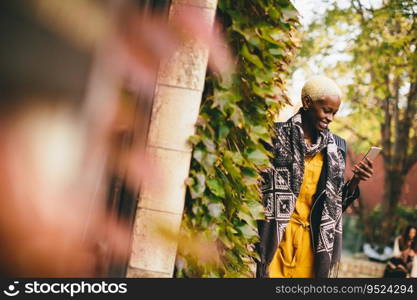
304 191
401 266
403 263
407 240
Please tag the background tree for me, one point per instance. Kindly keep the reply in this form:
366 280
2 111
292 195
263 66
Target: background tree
375 50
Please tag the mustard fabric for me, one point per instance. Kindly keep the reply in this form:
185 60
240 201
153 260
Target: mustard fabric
294 256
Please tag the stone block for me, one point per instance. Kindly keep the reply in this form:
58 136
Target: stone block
167 193
200 3
138 273
153 249
174 114
186 67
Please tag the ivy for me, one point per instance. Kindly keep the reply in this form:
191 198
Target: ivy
223 199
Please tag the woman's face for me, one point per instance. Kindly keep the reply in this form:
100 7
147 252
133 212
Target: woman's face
412 233
320 113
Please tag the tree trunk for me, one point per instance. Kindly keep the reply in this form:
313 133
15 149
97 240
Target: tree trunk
393 183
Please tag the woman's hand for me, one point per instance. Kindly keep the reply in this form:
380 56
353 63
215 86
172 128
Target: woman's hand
391 265
363 170
402 268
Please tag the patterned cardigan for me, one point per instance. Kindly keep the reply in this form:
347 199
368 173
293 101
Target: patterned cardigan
326 256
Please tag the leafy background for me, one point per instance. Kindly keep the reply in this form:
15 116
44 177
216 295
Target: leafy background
375 46
223 199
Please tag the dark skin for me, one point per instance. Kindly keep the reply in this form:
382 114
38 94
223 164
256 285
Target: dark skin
316 116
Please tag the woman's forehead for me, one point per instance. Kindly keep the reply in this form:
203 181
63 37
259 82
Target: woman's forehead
332 101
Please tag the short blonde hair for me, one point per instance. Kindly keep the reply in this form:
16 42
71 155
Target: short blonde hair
318 87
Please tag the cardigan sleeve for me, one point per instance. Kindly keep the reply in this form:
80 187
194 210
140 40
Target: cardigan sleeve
348 197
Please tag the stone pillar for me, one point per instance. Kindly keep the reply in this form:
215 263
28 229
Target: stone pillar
175 110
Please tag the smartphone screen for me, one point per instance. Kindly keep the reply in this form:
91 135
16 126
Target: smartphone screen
373 153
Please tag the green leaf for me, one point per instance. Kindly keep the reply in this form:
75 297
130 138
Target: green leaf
198 154
251 57
208 163
216 187
289 13
230 166
194 139
248 232
277 51
215 209
189 181
199 185
274 13
209 143
246 217
256 210
250 176
223 131
258 157
237 116
226 242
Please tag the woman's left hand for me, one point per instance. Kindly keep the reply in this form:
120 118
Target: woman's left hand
363 170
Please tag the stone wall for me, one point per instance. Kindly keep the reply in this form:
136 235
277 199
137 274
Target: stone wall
360 268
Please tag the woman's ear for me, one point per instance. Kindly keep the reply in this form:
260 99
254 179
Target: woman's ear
307 102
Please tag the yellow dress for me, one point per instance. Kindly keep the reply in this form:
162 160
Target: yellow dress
294 256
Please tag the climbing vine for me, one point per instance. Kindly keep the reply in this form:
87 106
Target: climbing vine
223 199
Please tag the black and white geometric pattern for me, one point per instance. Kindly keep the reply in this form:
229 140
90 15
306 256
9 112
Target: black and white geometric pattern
281 179
269 206
268 181
284 206
327 235
282 182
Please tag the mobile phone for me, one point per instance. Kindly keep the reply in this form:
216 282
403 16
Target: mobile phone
372 153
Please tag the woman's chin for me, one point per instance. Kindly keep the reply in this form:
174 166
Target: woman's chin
321 127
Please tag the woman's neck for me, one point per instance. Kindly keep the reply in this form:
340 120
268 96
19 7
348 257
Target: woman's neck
308 128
